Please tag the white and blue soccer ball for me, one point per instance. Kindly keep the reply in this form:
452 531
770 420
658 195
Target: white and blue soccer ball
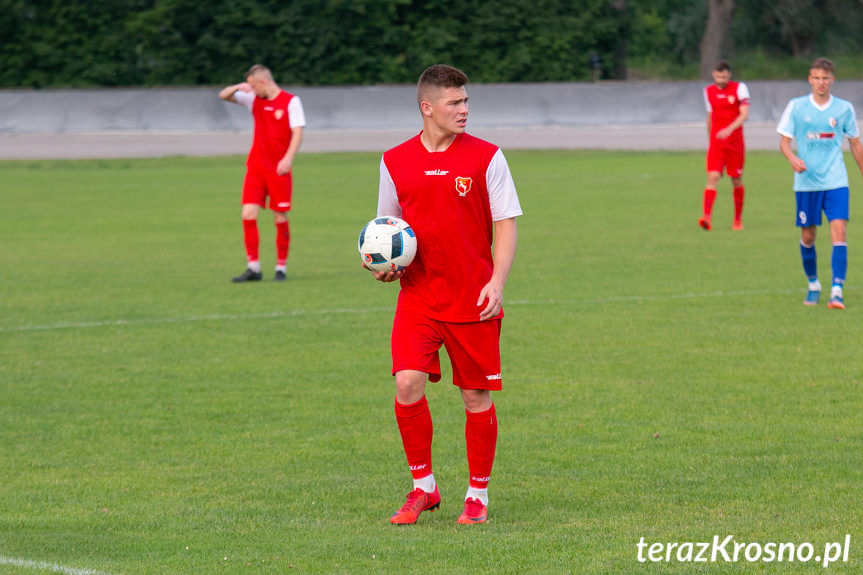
387 244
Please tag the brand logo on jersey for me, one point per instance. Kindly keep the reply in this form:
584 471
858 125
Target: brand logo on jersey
463 185
494 377
279 114
268 108
436 172
820 135
832 122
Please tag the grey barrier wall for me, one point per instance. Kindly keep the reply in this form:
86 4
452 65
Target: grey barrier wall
199 110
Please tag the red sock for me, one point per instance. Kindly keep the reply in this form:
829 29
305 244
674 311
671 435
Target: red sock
415 425
739 193
709 196
283 242
480 433
250 234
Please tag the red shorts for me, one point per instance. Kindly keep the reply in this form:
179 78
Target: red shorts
473 349
727 157
262 183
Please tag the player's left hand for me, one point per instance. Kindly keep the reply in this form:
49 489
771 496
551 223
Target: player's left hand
492 294
723 134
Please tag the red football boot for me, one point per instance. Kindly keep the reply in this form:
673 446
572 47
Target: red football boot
417 502
474 512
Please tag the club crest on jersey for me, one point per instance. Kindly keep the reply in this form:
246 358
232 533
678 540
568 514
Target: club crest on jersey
463 185
730 99
832 122
279 114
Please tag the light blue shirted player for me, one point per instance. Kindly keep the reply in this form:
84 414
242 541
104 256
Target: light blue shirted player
820 123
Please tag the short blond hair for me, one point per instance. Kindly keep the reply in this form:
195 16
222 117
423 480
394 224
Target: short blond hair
258 70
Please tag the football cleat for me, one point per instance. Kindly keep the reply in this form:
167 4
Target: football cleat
836 302
417 502
280 276
737 225
247 276
705 223
474 512
812 297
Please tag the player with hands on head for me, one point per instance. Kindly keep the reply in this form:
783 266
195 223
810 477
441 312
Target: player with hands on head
458 195
279 122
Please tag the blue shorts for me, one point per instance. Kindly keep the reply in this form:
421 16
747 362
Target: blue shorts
809 206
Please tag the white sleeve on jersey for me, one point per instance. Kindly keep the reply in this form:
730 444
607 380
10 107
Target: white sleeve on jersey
296 113
786 122
246 99
502 196
388 199
707 101
742 92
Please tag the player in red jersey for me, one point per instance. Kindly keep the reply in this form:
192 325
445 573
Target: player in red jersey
457 194
279 122
727 105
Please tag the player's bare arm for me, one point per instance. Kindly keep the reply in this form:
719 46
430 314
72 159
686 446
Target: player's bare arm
505 240
725 132
287 161
797 164
227 94
709 122
857 152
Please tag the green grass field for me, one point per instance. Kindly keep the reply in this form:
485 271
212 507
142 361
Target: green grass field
659 381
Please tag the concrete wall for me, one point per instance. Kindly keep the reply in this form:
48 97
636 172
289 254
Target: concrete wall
199 110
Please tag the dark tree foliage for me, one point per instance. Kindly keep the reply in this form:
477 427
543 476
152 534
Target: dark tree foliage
53 43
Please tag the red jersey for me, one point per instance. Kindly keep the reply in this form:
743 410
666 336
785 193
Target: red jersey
447 200
724 106
272 130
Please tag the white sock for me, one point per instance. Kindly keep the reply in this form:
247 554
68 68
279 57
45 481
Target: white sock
255 266
426 483
283 268
836 291
815 286
475 493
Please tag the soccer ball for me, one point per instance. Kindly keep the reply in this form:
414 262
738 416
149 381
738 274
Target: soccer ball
387 244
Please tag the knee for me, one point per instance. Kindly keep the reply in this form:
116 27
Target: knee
410 386
476 400
250 212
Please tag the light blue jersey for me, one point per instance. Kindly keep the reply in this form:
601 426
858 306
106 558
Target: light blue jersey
819 131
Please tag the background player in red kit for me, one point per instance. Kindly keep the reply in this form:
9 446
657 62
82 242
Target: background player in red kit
279 121
727 105
457 194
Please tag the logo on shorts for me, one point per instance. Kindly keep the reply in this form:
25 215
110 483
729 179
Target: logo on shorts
279 114
494 377
284 204
463 185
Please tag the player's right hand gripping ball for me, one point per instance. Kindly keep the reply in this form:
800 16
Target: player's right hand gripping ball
387 244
